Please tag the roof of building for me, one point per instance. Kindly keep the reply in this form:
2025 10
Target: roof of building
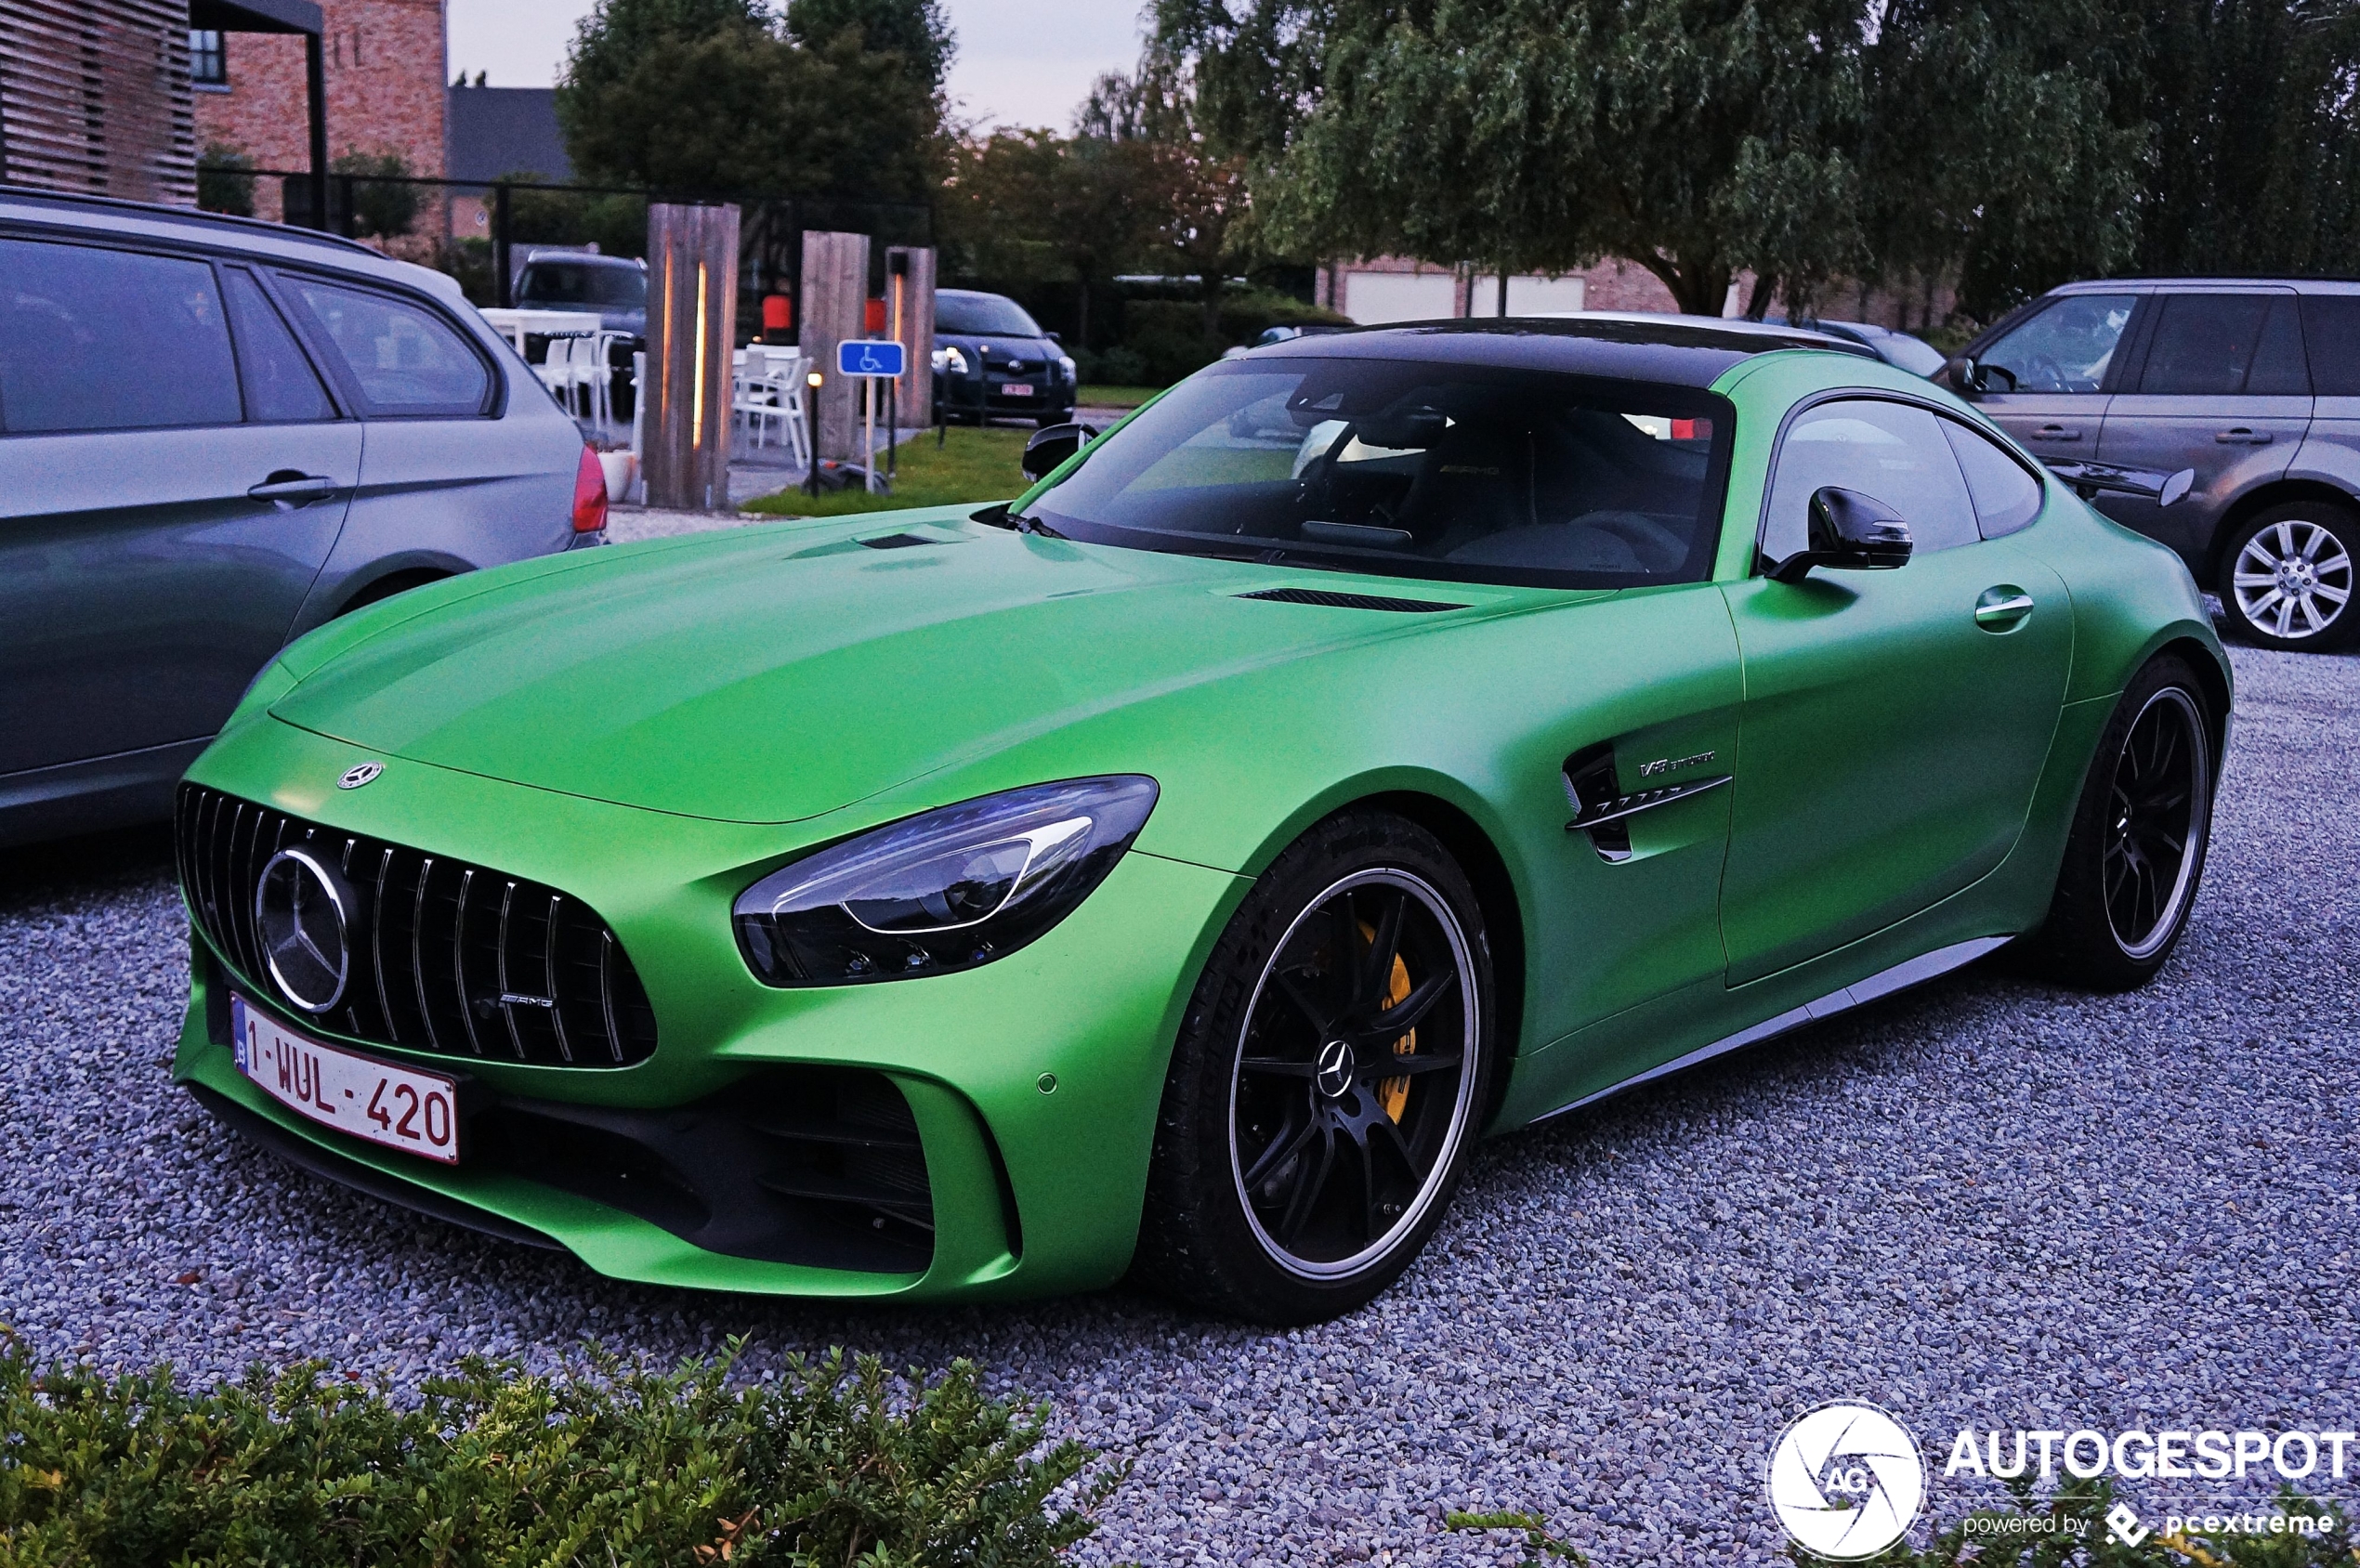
497 131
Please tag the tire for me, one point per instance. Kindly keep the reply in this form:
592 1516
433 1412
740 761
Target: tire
1293 1178
2287 577
2124 891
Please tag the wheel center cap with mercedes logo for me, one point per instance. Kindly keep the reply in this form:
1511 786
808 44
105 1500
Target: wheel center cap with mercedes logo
302 906
1335 1069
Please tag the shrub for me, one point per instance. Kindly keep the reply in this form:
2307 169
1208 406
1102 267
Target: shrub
609 1465
1168 335
224 180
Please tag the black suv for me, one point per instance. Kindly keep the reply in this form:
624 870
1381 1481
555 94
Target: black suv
2254 384
992 361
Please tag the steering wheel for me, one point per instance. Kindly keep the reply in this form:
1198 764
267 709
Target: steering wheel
2043 374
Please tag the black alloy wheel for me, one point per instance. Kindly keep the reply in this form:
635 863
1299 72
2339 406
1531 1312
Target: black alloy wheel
1353 1082
2136 851
2162 780
1330 1078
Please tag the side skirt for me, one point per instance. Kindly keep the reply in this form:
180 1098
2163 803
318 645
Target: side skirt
1900 977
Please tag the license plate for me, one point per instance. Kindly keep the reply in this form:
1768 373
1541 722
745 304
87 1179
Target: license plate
397 1108
1018 389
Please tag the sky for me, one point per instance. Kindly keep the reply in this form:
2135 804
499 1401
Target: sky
1020 62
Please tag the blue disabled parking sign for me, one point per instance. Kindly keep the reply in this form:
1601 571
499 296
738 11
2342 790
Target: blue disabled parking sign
882 357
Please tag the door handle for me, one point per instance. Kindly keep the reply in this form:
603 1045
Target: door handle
2241 437
2002 609
2056 433
290 488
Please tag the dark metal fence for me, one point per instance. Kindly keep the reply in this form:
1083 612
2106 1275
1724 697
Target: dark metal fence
482 232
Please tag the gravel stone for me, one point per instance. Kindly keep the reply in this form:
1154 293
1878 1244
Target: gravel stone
1987 1203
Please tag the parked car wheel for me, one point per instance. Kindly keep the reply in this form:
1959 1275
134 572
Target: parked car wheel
2287 577
1309 1141
2137 848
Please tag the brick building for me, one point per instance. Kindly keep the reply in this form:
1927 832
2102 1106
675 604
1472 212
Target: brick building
386 61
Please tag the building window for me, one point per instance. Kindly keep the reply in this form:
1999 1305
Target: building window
208 59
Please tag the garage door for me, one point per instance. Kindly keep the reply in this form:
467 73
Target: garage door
1372 297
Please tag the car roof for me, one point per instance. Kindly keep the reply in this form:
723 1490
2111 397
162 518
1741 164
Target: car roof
586 258
2107 285
99 216
1678 350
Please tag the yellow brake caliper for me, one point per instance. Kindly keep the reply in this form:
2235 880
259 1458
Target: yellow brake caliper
1393 1093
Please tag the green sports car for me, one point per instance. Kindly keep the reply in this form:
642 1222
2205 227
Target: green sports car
1381 739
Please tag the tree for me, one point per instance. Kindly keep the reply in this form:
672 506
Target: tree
713 97
1035 205
2256 122
1193 192
1698 139
916 30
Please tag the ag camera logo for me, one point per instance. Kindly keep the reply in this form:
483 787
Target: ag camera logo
1846 1481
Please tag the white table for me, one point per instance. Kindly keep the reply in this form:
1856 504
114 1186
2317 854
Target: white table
515 325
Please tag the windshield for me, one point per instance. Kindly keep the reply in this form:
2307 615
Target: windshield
1912 354
1454 472
982 315
575 283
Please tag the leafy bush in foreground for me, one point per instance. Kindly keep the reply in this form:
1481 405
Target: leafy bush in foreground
828 1465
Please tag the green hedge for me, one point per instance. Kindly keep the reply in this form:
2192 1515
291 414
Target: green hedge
826 1464
1168 339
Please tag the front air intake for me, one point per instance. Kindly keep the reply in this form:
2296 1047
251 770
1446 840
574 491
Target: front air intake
1348 601
443 955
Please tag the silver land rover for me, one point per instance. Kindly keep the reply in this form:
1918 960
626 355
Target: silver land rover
2252 383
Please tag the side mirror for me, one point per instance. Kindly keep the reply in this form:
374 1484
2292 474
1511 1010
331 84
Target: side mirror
1849 531
1057 339
1048 447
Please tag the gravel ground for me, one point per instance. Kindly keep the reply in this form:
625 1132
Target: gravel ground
1987 1203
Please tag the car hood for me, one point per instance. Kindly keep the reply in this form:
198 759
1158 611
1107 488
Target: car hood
777 674
1005 348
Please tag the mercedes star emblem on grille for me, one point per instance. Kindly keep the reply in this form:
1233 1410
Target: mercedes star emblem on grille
356 776
300 906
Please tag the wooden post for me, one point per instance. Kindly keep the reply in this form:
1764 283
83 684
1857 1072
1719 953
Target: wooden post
692 328
910 291
835 297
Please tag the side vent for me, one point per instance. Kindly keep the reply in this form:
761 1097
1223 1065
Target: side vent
1348 601
900 542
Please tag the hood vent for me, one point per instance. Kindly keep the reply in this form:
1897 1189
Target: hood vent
1348 601
900 540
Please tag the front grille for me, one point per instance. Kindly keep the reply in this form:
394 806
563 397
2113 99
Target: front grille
446 956
1334 600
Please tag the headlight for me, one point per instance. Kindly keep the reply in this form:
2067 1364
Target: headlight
950 362
1065 364
943 891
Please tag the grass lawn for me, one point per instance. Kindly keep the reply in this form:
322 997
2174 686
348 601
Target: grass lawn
977 466
1114 397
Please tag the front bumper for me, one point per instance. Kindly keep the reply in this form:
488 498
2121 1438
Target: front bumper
1030 1085
956 398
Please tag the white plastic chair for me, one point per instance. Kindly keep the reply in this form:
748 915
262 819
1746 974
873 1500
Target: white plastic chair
758 400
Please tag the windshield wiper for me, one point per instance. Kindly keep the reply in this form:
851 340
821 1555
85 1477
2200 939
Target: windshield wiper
1002 517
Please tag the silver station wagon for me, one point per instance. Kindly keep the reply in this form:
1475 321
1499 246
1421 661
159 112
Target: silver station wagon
215 435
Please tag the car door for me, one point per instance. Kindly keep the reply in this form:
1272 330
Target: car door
2222 387
169 488
1896 722
2047 379
446 484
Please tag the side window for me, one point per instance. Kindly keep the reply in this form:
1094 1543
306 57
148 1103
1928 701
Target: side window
2209 345
2279 369
2332 322
94 339
2006 498
2066 347
281 385
405 358
1891 452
